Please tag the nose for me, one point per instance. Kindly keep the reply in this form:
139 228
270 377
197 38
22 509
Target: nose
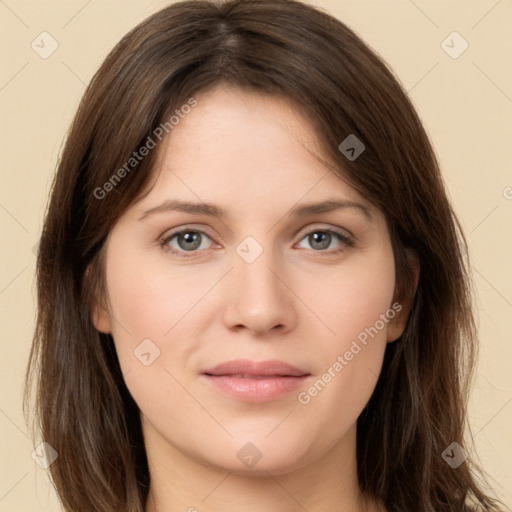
258 298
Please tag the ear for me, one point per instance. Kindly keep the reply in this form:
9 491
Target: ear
402 304
100 315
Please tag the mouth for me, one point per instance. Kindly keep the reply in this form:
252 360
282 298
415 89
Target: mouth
245 368
249 376
252 381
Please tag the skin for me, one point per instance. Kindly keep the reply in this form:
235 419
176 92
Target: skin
251 155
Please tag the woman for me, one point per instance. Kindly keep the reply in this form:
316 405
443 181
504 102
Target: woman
253 369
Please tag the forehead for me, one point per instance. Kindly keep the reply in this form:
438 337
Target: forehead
244 149
248 119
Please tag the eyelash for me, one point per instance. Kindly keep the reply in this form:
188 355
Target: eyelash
347 241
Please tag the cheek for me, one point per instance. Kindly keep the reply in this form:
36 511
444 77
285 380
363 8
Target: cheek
148 304
354 296
146 299
352 356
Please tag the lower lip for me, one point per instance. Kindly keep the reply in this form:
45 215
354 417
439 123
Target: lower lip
255 390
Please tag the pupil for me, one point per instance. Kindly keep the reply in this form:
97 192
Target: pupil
189 239
318 237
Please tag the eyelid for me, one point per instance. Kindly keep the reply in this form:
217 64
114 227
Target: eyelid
168 235
336 229
186 227
317 226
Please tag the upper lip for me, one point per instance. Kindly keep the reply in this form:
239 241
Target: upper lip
246 367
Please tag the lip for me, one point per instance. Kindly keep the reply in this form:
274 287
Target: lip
255 381
246 367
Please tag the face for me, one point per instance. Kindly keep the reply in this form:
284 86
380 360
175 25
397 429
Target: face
307 293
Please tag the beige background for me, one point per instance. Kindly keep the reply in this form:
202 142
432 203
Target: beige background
465 103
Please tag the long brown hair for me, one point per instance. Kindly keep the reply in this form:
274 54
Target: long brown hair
82 406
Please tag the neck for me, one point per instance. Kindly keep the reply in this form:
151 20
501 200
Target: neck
180 482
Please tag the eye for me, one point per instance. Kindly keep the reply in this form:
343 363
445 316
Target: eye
184 241
320 239
187 240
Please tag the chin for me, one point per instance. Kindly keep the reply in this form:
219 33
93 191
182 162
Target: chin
261 457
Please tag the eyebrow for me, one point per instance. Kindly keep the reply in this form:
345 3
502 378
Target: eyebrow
215 211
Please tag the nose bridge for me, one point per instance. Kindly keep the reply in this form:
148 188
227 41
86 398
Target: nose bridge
259 299
257 279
